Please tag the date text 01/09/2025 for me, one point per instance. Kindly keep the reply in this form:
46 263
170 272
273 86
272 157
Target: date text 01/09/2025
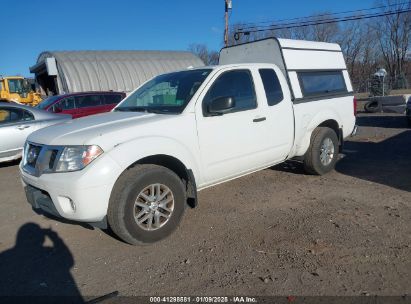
203 299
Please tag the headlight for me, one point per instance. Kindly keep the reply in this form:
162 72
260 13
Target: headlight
75 158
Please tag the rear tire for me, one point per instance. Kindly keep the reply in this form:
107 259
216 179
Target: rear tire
146 204
322 155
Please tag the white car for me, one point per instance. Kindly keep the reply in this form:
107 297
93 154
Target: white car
138 167
17 122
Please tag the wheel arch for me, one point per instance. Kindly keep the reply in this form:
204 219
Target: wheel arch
178 167
327 118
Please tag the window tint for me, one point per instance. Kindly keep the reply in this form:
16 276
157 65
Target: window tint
321 82
10 115
272 86
237 84
87 101
112 98
67 103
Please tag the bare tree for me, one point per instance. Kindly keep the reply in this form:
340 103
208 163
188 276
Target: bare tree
394 37
367 44
207 56
319 32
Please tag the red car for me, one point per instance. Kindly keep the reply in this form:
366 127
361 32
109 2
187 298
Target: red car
82 104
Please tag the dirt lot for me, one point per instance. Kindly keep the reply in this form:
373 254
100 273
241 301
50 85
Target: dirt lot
275 232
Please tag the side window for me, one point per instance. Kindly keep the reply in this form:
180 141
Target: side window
272 86
87 101
237 84
4 116
321 82
67 103
10 115
112 99
28 116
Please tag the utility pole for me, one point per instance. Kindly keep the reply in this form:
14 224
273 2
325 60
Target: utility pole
228 6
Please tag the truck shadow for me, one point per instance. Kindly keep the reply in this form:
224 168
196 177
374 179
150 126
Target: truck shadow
387 162
31 268
107 230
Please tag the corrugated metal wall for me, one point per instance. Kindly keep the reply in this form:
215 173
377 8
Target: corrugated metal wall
114 70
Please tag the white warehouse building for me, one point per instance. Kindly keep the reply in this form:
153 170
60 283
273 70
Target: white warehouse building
58 72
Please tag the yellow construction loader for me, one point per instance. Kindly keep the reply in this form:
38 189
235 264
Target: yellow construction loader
18 89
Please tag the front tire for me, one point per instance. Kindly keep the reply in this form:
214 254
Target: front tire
322 155
146 204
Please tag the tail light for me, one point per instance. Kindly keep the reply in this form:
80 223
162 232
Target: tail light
355 106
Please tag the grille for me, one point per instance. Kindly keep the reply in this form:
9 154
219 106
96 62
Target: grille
39 159
53 157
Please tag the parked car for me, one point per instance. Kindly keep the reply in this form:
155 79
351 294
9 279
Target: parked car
82 104
17 122
408 110
138 167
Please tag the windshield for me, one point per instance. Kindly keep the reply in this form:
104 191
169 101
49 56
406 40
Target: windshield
168 93
17 86
47 102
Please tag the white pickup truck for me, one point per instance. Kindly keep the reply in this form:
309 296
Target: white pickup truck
138 167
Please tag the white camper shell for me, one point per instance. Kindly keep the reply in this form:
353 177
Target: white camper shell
294 58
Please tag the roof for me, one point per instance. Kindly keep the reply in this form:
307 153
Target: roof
114 70
35 111
90 93
309 45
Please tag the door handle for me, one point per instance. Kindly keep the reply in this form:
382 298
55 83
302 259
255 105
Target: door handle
259 119
23 127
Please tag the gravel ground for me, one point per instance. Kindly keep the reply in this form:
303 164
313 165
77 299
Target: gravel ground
275 232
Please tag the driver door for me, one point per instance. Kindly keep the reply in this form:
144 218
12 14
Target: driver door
236 142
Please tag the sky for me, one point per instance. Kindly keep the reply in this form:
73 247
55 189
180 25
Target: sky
33 26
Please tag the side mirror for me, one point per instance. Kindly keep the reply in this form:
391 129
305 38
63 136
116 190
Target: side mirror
221 105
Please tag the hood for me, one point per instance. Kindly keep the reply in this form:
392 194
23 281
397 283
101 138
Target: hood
93 129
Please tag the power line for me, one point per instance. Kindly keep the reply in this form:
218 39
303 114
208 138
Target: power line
255 24
302 23
309 23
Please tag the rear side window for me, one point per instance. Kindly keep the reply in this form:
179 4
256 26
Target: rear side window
10 115
87 101
67 103
112 99
237 84
272 86
321 82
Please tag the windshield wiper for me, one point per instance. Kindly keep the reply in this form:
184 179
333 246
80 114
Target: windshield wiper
131 109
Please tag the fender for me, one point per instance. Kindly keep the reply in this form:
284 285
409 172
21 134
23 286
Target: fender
126 154
308 124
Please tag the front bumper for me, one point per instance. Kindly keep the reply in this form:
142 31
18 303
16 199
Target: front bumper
79 196
39 199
